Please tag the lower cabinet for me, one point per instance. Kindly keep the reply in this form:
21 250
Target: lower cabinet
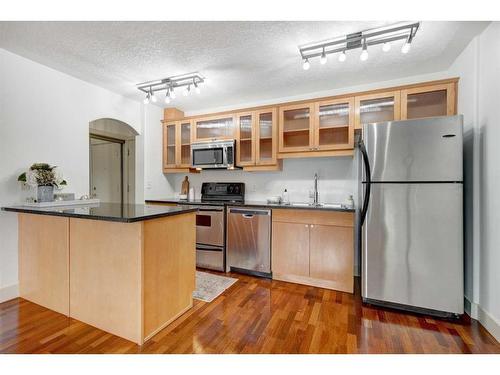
314 248
290 249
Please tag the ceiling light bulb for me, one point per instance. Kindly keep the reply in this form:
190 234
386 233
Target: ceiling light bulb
386 47
167 97
306 64
146 100
342 56
364 54
406 47
197 88
323 59
172 93
186 92
153 97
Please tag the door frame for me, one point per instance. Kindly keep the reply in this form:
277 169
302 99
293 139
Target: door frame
121 142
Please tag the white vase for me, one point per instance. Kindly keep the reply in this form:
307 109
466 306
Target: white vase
45 193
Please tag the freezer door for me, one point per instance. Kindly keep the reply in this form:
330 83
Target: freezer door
415 150
412 246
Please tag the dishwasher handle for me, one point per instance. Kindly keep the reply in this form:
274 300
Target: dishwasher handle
249 213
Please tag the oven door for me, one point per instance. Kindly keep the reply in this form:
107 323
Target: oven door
210 226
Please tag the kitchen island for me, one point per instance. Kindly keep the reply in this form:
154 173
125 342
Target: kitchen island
126 269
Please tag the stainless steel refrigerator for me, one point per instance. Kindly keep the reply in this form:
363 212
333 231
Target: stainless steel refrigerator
412 215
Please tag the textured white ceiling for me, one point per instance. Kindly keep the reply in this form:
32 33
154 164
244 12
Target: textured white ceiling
243 61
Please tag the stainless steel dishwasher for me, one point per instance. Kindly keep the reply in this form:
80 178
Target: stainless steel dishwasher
248 245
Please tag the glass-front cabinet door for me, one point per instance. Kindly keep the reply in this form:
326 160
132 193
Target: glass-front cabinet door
184 128
379 107
296 124
245 135
266 136
169 145
334 128
428 101
212 128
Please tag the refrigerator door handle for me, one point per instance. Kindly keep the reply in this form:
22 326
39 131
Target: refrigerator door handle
366 163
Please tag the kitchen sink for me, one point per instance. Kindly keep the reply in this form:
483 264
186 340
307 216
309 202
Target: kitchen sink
319 205
298 204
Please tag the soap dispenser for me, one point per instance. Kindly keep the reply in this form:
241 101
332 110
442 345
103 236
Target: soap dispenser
286 197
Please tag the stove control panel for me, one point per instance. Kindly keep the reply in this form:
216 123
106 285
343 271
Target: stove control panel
223 191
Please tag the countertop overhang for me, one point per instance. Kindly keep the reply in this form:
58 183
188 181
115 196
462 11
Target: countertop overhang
123 213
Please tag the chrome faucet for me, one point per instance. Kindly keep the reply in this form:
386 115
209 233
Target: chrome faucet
316 194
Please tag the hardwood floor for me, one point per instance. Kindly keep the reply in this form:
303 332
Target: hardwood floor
254 316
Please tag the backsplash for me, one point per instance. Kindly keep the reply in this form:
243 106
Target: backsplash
336 180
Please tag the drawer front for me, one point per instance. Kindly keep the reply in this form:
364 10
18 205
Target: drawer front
212 259
319 217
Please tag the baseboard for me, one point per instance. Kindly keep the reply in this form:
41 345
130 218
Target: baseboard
484 317
164 325
490 323
9 292
471 308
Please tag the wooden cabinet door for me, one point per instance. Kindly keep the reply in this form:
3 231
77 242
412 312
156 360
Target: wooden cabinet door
245 138
184 143
379 107
266 137
428 101
331 255
214 128
334 124
170 145
296 127
290 252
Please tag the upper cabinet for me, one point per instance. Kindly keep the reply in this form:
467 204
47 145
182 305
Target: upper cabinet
214 127
428 101
296 127
256 137
321 127
266 135
245 136
177 146
334 124
419 101
310 129
379 107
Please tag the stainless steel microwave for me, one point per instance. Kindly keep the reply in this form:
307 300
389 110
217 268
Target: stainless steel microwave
213 154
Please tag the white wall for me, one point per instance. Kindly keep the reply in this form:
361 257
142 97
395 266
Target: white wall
479 66
44 117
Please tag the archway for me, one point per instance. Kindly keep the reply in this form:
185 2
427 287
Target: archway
112 160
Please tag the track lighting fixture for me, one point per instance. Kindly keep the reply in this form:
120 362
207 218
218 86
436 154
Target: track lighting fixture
322 59
197 88
169 84
306 65
364 53
362 40
342 56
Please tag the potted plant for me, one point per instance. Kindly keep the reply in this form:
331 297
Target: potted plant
44 177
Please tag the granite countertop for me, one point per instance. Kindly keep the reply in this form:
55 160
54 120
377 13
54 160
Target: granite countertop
124 213
198 202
